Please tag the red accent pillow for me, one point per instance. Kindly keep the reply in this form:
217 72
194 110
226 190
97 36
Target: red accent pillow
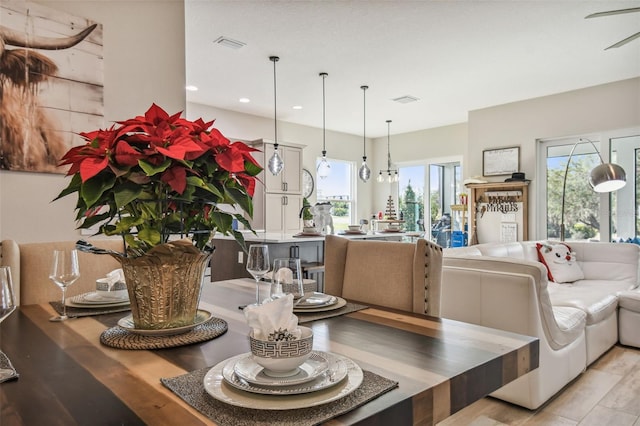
560 262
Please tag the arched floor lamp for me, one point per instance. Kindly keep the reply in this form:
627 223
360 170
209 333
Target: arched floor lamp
605 177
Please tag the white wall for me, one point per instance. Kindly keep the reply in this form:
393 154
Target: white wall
143 63
581 112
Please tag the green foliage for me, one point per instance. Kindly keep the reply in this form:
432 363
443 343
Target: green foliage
581 213
412 207
340 208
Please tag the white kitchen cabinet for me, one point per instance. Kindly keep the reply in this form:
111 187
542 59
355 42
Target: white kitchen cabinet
278 199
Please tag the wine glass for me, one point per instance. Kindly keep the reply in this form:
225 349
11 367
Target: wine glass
258 266
64 272
287 278
7 305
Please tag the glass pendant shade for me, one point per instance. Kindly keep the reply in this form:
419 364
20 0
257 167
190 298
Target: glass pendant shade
275 163
364 172
380 178
324 168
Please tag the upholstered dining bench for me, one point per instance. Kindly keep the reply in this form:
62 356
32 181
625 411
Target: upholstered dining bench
30 264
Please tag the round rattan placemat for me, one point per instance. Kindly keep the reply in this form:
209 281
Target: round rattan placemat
120 338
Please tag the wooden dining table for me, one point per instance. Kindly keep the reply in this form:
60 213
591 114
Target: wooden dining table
68 377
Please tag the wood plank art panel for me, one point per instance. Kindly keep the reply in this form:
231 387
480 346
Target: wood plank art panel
51 85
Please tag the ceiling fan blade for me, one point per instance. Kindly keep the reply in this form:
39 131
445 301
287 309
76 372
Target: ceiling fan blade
625 41
613 12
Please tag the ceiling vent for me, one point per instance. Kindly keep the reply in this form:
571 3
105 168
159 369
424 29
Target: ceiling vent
406 99
229 42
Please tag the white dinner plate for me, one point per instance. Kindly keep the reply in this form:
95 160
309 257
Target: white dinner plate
218 388
316 299
246 368
95 298
127 324
339 304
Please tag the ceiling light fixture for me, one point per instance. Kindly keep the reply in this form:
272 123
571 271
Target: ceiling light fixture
191 88
364 172
244 100
390 177
324 168
276 164
297 107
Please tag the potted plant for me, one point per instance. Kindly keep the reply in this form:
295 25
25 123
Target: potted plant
155 179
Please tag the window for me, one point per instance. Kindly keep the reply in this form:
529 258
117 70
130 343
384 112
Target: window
443 183
339 189
587 214
625 203
411 197
582 204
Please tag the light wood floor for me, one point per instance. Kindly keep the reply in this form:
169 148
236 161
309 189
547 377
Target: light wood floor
607 394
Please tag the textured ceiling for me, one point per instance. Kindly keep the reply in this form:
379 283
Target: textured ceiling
455 56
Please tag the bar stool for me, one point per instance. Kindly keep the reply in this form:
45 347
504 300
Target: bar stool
314 270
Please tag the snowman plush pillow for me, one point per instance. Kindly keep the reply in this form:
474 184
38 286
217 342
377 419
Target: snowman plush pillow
560 262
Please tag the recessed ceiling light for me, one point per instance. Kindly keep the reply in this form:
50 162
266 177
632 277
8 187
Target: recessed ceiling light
297 107
406 99
244 100
191 88
229 42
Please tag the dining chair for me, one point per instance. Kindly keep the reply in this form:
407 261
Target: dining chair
398 275
30 264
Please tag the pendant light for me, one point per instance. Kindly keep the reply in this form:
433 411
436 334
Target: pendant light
392 174
324 168
275 162
364 172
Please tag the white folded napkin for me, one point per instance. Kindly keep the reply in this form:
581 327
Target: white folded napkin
273 320
117 275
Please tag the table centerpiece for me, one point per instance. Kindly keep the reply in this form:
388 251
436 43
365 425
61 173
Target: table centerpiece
159 181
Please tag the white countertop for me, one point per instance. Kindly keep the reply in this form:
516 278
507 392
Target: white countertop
278 238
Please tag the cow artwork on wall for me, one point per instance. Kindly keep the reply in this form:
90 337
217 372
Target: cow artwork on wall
51 84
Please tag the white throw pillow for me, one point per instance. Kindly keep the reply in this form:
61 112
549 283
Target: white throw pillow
560 262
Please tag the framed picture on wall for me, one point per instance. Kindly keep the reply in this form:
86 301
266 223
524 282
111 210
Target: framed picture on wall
500 161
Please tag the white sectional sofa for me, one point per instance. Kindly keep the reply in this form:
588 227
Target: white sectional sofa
504 286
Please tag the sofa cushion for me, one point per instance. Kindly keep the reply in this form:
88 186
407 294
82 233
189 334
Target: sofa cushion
596 298
571 323
560 262
629 300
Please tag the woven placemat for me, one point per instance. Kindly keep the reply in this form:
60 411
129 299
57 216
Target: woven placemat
190 387
314 316
120 338
5 363
73 312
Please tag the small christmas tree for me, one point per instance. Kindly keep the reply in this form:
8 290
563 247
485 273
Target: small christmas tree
390 212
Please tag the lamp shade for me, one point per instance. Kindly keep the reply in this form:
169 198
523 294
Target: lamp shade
607 177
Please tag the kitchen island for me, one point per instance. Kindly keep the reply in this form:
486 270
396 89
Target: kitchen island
229 260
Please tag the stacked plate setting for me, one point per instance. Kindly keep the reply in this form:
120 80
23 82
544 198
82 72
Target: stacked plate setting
322 370
97 299
317 302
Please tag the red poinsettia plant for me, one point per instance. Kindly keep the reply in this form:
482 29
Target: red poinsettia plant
159 175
